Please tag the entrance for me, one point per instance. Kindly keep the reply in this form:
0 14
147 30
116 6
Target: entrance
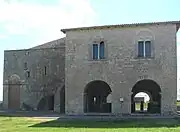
95 97
14 92
141 101
153 90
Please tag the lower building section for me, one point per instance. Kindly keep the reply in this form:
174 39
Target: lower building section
97 97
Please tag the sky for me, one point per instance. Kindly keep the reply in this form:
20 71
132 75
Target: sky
27 23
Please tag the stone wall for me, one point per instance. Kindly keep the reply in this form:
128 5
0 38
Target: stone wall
121 68
41 70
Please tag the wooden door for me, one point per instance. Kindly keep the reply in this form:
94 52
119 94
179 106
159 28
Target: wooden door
14 96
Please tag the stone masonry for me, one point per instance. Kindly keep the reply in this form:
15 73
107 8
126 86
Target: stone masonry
37 85
68 62
121 68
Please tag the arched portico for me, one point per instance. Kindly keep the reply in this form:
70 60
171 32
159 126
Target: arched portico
95 97
153 90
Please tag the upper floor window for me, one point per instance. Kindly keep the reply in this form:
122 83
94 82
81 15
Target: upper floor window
144 48
98 51
45 70
25 66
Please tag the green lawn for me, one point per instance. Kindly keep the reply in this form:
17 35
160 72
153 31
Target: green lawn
22 124
178 103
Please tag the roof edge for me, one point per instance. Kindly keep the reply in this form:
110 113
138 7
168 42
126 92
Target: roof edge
119 25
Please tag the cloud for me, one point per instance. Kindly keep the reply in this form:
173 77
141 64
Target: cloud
2 36
20 18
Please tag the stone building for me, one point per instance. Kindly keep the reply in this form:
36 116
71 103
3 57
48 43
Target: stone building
96 70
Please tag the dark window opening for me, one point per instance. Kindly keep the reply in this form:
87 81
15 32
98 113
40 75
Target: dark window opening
28 73
98 51
25 66
101 50
144 49
45 70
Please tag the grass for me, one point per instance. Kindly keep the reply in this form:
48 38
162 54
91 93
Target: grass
178 103
24 124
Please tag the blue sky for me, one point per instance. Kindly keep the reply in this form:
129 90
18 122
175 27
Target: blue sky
26 23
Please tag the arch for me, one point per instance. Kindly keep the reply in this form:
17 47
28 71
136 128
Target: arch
14 79
46 103
95 97
153 90
145 33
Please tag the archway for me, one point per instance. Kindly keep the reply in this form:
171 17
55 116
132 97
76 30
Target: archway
14 92
95 97
154 92
46 103
141 101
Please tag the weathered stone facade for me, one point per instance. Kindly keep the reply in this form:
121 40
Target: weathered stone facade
37 85
121 68
72 65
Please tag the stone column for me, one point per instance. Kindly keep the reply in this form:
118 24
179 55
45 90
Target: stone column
57 101
116 105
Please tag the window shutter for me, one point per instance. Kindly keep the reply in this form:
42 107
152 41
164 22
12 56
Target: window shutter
102 50
148 48
95 51
140 49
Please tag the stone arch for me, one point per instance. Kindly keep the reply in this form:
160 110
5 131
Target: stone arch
14 79
14 83
95 97
153 90
46 103
145 34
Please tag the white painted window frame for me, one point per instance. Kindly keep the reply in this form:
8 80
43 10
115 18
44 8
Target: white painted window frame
98 51
144 44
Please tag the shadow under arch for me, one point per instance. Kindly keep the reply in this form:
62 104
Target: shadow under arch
154 92
95 97
46 103
62 100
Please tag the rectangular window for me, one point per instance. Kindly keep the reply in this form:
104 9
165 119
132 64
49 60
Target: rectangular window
45 70
144 49
147 48
101 50
95 51
140 48
25 66
28 73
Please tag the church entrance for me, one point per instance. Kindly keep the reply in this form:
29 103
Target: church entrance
95 97
152 89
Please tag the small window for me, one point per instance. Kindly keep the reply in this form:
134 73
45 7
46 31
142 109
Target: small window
25 66
28 73
98 51
45 70
95 51
101 48
144 48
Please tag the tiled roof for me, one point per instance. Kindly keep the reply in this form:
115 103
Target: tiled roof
52 44
120 25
